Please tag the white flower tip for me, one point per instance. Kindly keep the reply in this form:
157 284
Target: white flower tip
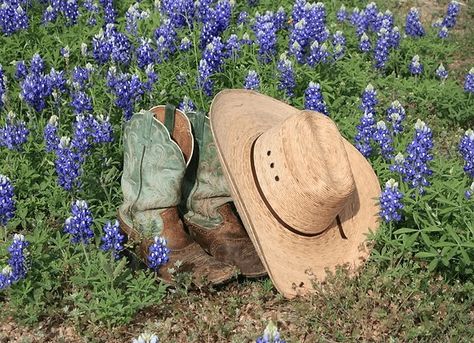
391 184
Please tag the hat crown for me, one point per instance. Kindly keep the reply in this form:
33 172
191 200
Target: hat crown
303 172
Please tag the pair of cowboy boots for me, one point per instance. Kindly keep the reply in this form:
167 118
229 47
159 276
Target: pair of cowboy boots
173 186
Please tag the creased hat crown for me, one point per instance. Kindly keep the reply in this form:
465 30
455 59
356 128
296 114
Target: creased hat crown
303 173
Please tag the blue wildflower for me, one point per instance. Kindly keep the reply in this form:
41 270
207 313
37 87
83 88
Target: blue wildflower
443 32
14 134
222 14
243 17
396 115
341 14
180 12
187 105
79 224
132 16
57 80
468 194
49 15
121 47
18 258
413 25
313 99
35 89
93 10
270 335
21 70
158 253
232 47
101 130
113 239
365 134
71 12
185 44
318 54
384 139
280 19
252 81
391 202
286 75
145 53
204 78
265 33
415 67
369 99
394 37
110 13
128 89
5 277
101 48
7 203
466 148
381 50
451 14
68 165
81 75
441 72
469 81
165 37
50 134
364 43
81 102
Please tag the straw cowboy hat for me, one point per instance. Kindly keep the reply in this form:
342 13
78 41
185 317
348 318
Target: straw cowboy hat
306 196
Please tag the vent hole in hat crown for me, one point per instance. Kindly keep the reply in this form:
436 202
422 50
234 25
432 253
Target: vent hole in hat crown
269 153
272 165
277 178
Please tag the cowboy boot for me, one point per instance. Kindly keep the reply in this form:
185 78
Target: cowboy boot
209 214
154 167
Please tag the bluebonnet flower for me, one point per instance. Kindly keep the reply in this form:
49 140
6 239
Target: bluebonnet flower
396 115
81 75
452 12
5 277
121 47
14 134
3 87
298 12
180 12
185 44
384 139
358 20
113 239
441 72
466 148
391 202
204 77
286 76
187 105
365 134
371 16
222 14
21 70
93 10
50 134
469 81
265 33
79 224
158 253
205 12
415 67
398 165
381 50
37 64
181 77
364 43
68 165
214 54
232 47
12 17
35 89
57 80
110 13
443 32
101 48
394 38
280 18
152 77
83 128
145 53
245 40
315 15
338 52
102 131
49 15
128 89
297 50
65 52
18 257
270 335
252 81
132 16
81 102
369 99
318 54
468 194
313 99
165 37
299 34
339 42
341 14
413 25
7 203
243 17
71 11
415 169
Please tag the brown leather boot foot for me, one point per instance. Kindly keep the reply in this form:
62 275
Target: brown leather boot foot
229 243
204 268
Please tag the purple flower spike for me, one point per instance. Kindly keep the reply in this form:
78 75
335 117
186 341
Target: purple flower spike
441 72
158 253
252 80
383 138
79 225
413 25
415 67
18 258
391 202
314 99
469 82
466 148
113 239
287 76
7 203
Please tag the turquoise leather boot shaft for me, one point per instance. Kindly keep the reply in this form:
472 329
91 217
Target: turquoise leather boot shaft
153 172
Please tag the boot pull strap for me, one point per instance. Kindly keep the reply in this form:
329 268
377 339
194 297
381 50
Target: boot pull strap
169 117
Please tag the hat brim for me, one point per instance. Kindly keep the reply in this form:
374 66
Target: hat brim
293 261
